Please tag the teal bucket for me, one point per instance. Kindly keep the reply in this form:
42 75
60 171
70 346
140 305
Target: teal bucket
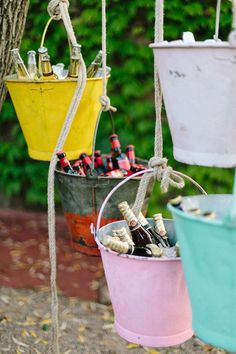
208 251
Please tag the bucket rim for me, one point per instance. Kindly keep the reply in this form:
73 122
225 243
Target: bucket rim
182 214
13 78
94 178
125 256
199 44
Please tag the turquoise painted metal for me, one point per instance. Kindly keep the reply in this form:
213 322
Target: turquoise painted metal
208 251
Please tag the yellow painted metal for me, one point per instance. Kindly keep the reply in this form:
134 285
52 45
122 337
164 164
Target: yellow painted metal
41 108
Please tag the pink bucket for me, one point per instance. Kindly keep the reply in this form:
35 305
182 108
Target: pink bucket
149 296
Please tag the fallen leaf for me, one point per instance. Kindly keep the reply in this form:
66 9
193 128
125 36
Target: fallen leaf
150 351
207 347
16 341
24 333
46 322
82 329
132 346
33 334
68 351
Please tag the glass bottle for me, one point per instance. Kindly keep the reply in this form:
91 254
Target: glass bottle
74 66
88 166
20 68
123 247
45 65
130 153
119 159
99 165
94 66
140 236
160 227
157 239
65 163
32 66
78 167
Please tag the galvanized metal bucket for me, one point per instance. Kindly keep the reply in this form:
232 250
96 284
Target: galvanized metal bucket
81 199
208 249
148 295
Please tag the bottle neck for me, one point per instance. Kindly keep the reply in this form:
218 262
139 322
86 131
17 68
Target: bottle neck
46 68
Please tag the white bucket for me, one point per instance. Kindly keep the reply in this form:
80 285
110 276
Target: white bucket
198 82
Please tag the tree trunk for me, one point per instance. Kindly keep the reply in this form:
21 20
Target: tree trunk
12 23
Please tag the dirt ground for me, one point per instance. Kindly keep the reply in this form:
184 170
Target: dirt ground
86 323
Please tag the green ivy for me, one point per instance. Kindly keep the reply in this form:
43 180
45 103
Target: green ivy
129 33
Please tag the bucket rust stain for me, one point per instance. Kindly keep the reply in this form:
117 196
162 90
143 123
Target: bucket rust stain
82 239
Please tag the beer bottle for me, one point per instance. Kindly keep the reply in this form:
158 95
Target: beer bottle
123 235
74 66
78 167
156 239
46 67
176 202
21 71
99 73
124 247
94 66
109 163
119 159
32 66
130 153
99 165
88 166
140 235
65 163
160 227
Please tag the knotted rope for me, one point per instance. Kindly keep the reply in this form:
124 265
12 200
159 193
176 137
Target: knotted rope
59 9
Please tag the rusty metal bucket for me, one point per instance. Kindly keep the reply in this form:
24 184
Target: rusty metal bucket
81 199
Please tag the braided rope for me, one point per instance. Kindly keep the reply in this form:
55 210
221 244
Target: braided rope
59 9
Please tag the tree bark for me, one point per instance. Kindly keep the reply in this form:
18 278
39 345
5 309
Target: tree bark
12 23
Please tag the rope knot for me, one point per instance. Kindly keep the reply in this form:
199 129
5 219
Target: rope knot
54 8
105 102
165 174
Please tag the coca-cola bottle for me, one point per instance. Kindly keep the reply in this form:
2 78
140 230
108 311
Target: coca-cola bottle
65 163
140 235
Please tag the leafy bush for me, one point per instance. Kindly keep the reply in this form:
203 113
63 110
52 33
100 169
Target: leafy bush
129 32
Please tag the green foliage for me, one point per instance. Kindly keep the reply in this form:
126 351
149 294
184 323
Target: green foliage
129 32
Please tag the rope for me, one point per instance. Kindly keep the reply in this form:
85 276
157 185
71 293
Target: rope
163 173
104 99
59 9
217 23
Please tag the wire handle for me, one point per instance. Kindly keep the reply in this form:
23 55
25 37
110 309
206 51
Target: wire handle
150 170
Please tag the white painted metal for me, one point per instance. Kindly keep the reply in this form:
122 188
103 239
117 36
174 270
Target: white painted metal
198 81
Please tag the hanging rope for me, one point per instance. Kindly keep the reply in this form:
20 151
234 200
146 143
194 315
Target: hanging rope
217 23
163 173
59 9
104 99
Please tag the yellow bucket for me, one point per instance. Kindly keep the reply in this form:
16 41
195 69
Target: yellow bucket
41 108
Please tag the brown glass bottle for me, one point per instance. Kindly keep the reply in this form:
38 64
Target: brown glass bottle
156 238
45 65
65 163
140 236
119 159
74 66
130 153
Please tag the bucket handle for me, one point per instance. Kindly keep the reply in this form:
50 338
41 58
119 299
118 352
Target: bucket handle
150 170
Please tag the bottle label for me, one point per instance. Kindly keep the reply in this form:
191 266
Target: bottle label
124 164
